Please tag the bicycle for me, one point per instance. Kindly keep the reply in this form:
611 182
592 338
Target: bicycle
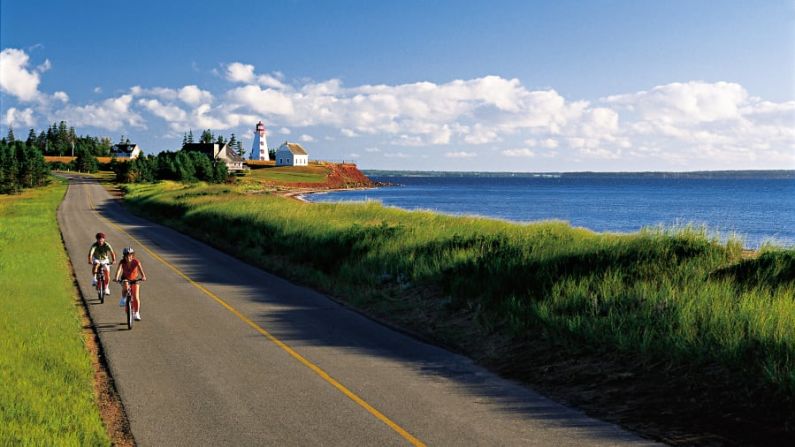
101 283
128 301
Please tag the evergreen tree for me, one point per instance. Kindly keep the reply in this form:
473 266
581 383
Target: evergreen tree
31 141
202 165
190 136
220 172
207 136
10 139
184 139
186 172
85 161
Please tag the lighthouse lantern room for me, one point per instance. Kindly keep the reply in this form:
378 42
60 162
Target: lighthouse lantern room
259 150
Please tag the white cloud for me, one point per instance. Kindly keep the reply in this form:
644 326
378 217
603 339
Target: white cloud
44 66
244 73
18 118
460 154
690 102
682 125
519 152
237 72
15 78
193 95
170 113
267 102
61 96
97 89
110 114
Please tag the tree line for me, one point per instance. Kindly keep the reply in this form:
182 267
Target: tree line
61 139
207 136
21 166
183 166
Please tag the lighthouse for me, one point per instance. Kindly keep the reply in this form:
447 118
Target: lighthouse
259 150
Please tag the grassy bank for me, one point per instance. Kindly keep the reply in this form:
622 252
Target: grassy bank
657 297
46 391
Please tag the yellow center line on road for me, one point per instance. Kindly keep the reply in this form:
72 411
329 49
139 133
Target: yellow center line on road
316 369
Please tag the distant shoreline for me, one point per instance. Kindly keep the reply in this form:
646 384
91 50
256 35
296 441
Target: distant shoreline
734 175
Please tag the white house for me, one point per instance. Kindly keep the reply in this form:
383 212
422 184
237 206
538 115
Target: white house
291 154
259 149
220 152
126 151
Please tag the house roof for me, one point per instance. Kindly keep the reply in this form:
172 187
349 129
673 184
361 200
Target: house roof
232 155
205 148
295 148
127 148
209 149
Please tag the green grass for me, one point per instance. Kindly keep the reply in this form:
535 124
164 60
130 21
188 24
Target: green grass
290 174
46 391
677 295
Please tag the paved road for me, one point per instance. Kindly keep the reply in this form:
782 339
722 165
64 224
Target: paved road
228 354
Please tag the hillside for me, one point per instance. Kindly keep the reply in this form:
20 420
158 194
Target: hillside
315 176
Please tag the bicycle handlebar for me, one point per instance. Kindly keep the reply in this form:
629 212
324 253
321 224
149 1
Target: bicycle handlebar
131 281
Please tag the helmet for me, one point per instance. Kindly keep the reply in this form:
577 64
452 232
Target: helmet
100 236
128 251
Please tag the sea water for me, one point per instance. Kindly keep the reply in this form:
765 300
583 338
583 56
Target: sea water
758 209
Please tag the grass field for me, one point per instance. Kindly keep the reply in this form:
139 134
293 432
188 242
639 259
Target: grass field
289 174
46 391
674 295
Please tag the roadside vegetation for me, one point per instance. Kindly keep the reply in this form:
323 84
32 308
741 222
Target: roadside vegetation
663 298
46 378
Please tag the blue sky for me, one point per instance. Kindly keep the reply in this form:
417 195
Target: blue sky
499 86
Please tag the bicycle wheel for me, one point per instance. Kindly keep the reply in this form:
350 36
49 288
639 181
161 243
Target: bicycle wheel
101 290
129 310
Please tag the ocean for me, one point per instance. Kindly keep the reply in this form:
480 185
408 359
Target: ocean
757 208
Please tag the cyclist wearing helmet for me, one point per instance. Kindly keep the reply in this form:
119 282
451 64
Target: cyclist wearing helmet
101 254
131 269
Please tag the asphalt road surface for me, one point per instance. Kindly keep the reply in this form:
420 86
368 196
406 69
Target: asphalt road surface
227 354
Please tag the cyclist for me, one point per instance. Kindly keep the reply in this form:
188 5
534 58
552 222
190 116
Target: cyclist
131 269
101 254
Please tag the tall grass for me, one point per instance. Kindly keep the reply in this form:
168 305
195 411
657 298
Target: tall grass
46 392
673 294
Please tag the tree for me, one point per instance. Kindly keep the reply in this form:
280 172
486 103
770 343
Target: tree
85 161
184 139
207 136
220 172
220 140
190 136
202 165
31 141
236 145
10 139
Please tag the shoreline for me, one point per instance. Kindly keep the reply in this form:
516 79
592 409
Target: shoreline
300 195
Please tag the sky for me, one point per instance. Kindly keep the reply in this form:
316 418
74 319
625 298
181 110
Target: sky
418 85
